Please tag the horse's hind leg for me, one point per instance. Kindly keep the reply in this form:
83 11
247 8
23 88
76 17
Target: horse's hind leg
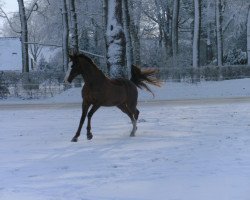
134 122
134 114
85 108
90 114
125 109
137 112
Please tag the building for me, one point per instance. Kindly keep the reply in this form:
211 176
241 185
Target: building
10 54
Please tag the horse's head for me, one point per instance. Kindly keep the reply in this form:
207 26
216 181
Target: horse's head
80 64
73 69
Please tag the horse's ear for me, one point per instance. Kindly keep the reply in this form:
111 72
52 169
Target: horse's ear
72 53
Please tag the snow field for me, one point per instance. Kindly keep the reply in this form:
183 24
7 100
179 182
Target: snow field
180 152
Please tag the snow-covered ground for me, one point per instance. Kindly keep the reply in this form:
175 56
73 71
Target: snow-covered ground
168 91
180 152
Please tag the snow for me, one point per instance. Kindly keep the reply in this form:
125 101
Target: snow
171 91
188 151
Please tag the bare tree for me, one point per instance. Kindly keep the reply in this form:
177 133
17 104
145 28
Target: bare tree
126 27
209 17
34 49
196 38
24 36
65 35
24 17
248 36
135 18
219 32
175 21
104 27
116 41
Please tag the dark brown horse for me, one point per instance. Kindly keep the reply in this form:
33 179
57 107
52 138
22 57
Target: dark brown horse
99 90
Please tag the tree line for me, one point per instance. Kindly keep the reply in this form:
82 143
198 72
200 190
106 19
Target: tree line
160 33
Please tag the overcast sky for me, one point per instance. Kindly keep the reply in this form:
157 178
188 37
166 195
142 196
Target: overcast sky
9 7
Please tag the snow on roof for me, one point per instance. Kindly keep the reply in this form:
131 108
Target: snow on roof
10 54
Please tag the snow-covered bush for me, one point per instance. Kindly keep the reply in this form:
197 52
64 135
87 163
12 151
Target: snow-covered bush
31 85
235 57
4 91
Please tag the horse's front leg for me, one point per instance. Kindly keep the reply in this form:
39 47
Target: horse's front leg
85 108
90 114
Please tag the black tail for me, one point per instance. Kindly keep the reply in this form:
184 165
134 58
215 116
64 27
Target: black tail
141 77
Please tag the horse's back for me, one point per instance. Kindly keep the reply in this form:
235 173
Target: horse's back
129 88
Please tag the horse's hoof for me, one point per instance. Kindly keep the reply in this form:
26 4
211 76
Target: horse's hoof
132 135
74 139
89 136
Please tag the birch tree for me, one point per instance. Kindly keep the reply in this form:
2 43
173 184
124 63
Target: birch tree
116 43
248 36
74 27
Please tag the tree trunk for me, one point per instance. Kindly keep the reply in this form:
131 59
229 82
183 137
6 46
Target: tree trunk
65 36
105 21
248 36
209 45
74 27
196 37
135 31
160 21
219 33
176 8
24 37
116 41
126 27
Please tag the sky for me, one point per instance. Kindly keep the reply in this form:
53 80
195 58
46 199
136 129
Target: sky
9 7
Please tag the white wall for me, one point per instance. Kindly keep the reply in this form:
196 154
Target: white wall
10 54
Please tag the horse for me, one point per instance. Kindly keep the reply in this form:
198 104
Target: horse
99 90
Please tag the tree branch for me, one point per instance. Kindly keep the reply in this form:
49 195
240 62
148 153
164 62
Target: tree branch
4 15
150 17
34 7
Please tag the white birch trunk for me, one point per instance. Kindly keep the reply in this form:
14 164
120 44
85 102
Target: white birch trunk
65 41
196 37
219 33
126 27
248 36
74 27
24 37
116 41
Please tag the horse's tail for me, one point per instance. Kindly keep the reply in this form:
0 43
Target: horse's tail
141 77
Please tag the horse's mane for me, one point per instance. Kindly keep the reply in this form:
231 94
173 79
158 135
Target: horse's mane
81 55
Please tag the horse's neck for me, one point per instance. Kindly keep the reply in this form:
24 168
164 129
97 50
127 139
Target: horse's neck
94 76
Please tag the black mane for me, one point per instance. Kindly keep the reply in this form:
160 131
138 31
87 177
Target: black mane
81 55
